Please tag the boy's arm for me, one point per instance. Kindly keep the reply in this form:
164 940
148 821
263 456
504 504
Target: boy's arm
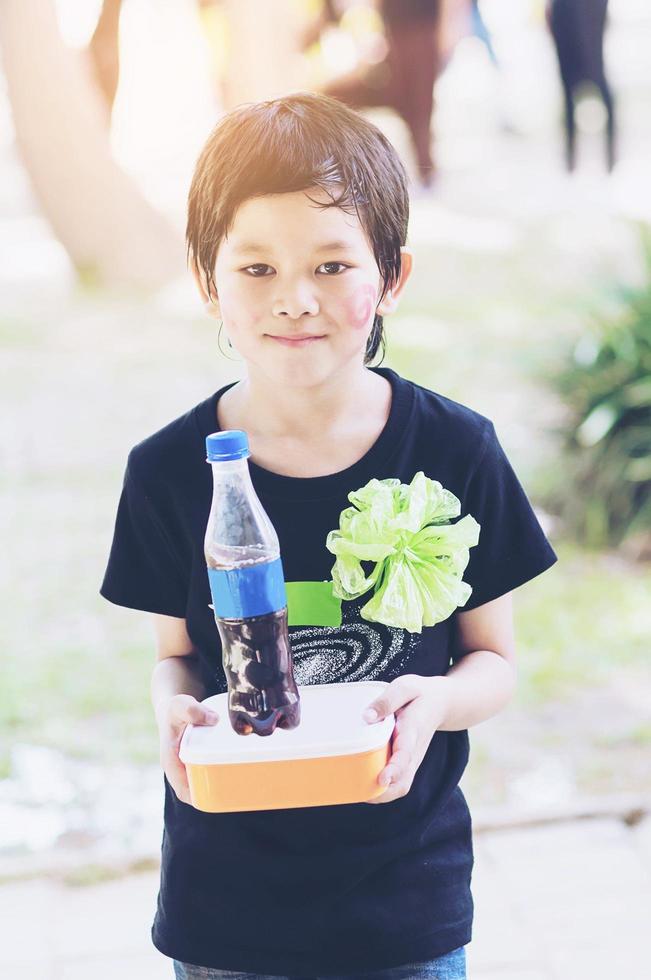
483 681
177 669
176 690
478 686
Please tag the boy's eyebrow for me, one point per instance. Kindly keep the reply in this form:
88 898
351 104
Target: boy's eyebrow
325 247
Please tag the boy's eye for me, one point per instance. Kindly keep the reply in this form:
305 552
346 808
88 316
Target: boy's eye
260 269
325 265
254 270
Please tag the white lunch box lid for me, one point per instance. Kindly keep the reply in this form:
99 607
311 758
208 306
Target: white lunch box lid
331 725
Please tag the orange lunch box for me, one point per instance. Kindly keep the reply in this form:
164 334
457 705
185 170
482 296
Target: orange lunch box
334 756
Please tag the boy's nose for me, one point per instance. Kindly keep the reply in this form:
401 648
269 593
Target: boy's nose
296 304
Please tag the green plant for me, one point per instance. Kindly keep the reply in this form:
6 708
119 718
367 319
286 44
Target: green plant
602 490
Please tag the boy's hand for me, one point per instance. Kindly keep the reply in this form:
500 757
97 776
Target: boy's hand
419 704
173 716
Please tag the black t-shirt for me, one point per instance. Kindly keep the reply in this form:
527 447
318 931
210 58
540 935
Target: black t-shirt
331 889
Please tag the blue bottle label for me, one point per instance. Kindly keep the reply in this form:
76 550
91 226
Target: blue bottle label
253 590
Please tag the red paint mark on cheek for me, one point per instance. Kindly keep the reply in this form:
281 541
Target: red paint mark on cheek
359 306
254 316
239 318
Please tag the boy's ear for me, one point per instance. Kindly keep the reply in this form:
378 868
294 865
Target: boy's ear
211 302
391 298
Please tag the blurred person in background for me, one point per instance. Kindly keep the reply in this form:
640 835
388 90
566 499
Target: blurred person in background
417 51
420 36
577 27
480 31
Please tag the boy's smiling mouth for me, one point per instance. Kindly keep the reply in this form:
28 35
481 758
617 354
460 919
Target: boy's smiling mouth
301 340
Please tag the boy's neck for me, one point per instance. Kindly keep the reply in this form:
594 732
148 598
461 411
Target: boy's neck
263 408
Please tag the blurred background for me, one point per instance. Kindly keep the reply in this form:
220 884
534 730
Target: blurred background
529 161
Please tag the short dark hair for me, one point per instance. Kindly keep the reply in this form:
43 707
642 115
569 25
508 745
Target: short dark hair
294 143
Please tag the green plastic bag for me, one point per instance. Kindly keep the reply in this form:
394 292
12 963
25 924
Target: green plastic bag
419 556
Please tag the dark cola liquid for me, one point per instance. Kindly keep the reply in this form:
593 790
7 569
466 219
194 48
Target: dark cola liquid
257 657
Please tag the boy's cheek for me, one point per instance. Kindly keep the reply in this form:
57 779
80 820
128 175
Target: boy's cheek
358 306
241 321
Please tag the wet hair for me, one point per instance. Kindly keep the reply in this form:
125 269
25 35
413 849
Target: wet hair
296 143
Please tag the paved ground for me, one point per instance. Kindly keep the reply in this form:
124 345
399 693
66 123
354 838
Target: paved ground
566 901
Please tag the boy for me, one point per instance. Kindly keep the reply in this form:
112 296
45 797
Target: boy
297 226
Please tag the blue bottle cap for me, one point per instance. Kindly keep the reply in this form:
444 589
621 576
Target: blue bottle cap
229 444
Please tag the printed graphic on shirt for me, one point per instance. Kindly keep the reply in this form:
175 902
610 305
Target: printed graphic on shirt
354 651
312 604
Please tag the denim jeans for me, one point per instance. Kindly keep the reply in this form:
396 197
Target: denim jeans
451 966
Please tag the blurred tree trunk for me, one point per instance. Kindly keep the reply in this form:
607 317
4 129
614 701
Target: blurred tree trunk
109 230
104 49
264 60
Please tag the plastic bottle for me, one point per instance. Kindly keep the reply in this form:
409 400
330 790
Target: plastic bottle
248 592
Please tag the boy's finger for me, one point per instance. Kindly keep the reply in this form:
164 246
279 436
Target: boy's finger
209 717
198 715
396 768
182 791
190 710
176 775
397 694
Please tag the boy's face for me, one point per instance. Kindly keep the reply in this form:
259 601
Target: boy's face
298 287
